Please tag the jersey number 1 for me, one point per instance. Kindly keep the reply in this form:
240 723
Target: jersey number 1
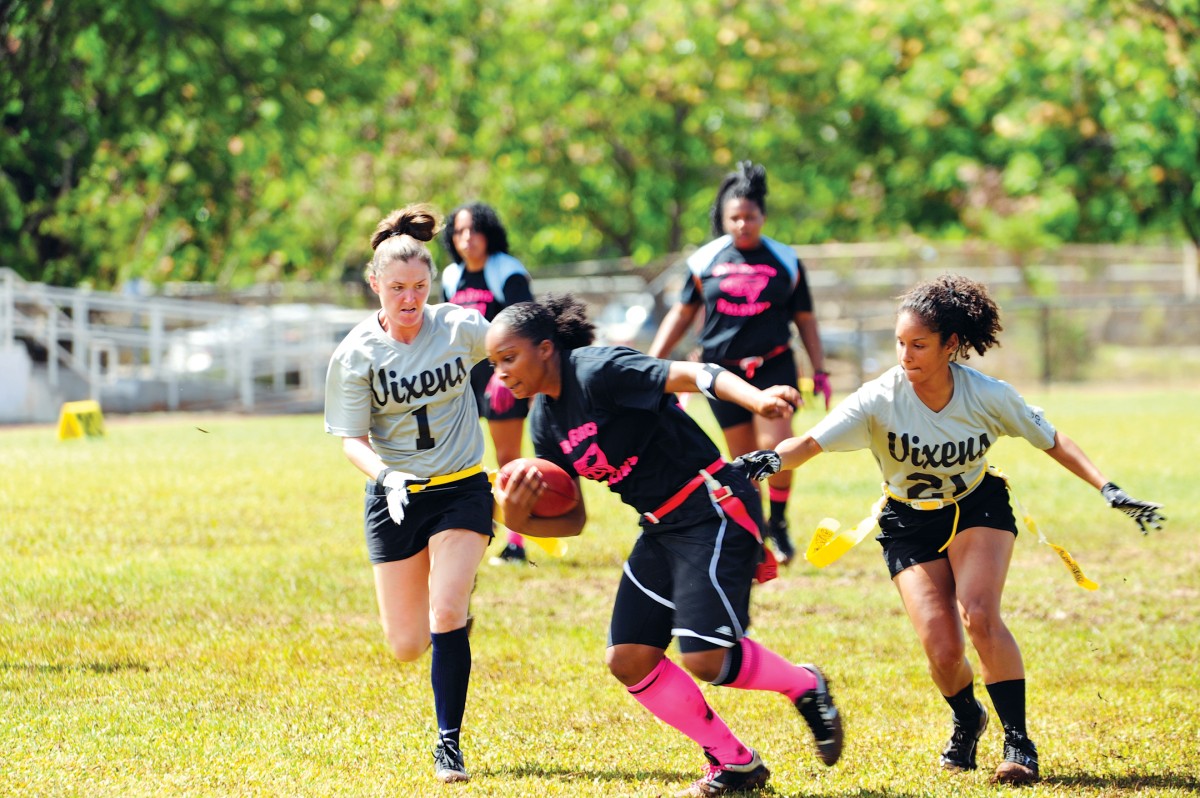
424 439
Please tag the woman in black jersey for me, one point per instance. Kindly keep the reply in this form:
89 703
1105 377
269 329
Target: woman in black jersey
750 289
610 414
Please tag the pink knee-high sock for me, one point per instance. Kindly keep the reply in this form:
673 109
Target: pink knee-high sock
515 538
763 669
675 699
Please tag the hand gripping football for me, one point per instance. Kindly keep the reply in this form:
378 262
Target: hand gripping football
560 496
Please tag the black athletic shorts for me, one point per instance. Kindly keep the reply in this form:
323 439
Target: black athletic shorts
481 373
779 370
689 577
465 504
911 536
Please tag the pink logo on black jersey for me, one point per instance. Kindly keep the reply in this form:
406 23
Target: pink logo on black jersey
473 299
594 465
748 286
743 281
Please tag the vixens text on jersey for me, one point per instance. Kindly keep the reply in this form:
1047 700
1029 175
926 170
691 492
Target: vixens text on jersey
939 455
424 383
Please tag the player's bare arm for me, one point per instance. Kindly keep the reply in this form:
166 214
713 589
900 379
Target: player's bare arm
362 455
778 401
1068 454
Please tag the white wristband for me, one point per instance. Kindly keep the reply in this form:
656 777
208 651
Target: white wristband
707 378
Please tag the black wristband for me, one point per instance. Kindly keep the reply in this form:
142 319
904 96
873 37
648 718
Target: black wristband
382 474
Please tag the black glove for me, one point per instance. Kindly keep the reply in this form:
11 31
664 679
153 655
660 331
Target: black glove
1145 513
760 464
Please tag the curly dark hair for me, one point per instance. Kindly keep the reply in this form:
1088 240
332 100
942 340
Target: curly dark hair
486 221
952 304
748 182
561 318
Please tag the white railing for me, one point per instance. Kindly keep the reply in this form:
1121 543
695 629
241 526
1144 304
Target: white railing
184 353
175 353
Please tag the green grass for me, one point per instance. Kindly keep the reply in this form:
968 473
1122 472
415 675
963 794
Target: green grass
186 608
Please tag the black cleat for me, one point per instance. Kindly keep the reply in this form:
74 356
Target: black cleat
1020 765
777 531
960 751
448 762
817 708
512 554
725 779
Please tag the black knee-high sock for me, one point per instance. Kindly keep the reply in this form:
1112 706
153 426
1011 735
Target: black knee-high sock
1009 700
964 706
778 510
450 673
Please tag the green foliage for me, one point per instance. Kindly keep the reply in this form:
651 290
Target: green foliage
248 140
188 610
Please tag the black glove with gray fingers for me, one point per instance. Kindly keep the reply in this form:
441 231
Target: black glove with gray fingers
1146 514
759 465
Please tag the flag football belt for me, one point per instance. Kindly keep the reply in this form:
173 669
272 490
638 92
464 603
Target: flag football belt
446 479
937 504
749 365
555 547
766 570
828 543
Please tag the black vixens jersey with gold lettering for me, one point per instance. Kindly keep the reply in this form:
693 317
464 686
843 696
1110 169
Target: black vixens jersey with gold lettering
928 455
613 423
414 400
749 297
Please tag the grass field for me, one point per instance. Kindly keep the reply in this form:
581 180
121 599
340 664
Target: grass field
186 609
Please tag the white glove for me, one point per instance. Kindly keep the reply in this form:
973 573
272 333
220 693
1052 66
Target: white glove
395 484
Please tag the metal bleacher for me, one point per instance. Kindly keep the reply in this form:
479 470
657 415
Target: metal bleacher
145 353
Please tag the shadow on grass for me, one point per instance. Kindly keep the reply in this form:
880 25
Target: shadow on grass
1129 781
101 668
532 771
585 776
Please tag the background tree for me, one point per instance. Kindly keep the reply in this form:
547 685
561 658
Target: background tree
235 141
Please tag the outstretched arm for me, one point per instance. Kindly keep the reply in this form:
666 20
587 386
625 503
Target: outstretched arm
790 453
778 401
1066 452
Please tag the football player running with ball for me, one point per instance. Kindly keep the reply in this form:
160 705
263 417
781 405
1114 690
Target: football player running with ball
609 414
398 393
947 528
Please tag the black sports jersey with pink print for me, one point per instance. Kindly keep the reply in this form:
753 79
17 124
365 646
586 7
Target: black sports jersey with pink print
750 297
503 281
613 423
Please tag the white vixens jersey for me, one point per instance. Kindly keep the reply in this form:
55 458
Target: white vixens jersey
415 400
928 455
